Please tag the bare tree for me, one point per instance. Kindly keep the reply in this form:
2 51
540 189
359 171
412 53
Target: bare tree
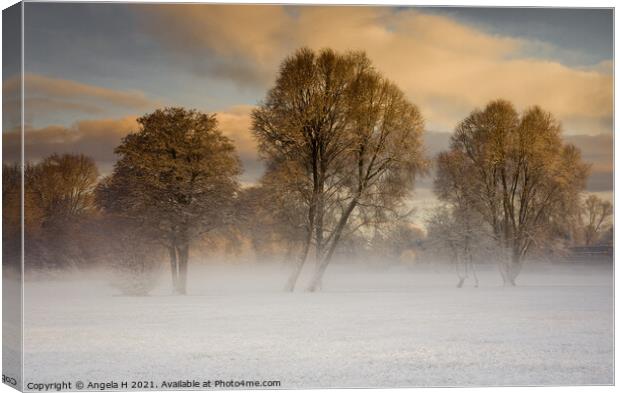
383 151
133 258
391 239
64 186
12 216
349 136
460 233
59 203
596 213
303 124
176 176
271 215
517 173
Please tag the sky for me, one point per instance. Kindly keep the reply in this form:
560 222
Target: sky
91 69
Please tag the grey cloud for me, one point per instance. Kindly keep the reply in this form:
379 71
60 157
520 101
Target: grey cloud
94 138
598 151
98 139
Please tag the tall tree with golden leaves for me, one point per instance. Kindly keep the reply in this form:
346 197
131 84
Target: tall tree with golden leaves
346 133
176 176
516 171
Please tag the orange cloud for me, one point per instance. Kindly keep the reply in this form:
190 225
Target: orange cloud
95 138
228 30
235 123
98 139
44 95
445 67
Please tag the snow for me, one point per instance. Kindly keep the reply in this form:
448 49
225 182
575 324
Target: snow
367 328
11 328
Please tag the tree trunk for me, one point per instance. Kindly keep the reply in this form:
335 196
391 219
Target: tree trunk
504 267
183 251
318 275
514 268
509 277
507 274
510 268
318 255
472 267
459 274
319 238
173 267
292 280
318 229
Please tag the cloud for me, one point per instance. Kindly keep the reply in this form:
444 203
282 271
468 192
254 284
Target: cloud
597 150
98 139
226 30
46 95
236 42
94 138
446 67
235 123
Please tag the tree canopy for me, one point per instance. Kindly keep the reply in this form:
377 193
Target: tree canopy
177 177
516 171
348 134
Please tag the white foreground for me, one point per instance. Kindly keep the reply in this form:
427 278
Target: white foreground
395 328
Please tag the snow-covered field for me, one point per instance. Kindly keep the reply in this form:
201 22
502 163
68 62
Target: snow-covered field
394 328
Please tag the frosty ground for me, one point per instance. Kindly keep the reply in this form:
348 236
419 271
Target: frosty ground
367 328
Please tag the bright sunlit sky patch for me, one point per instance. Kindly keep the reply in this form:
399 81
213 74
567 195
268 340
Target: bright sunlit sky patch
92 68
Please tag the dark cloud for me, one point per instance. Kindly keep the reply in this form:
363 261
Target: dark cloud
585 35
86 41
601 181
598 150
47 97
